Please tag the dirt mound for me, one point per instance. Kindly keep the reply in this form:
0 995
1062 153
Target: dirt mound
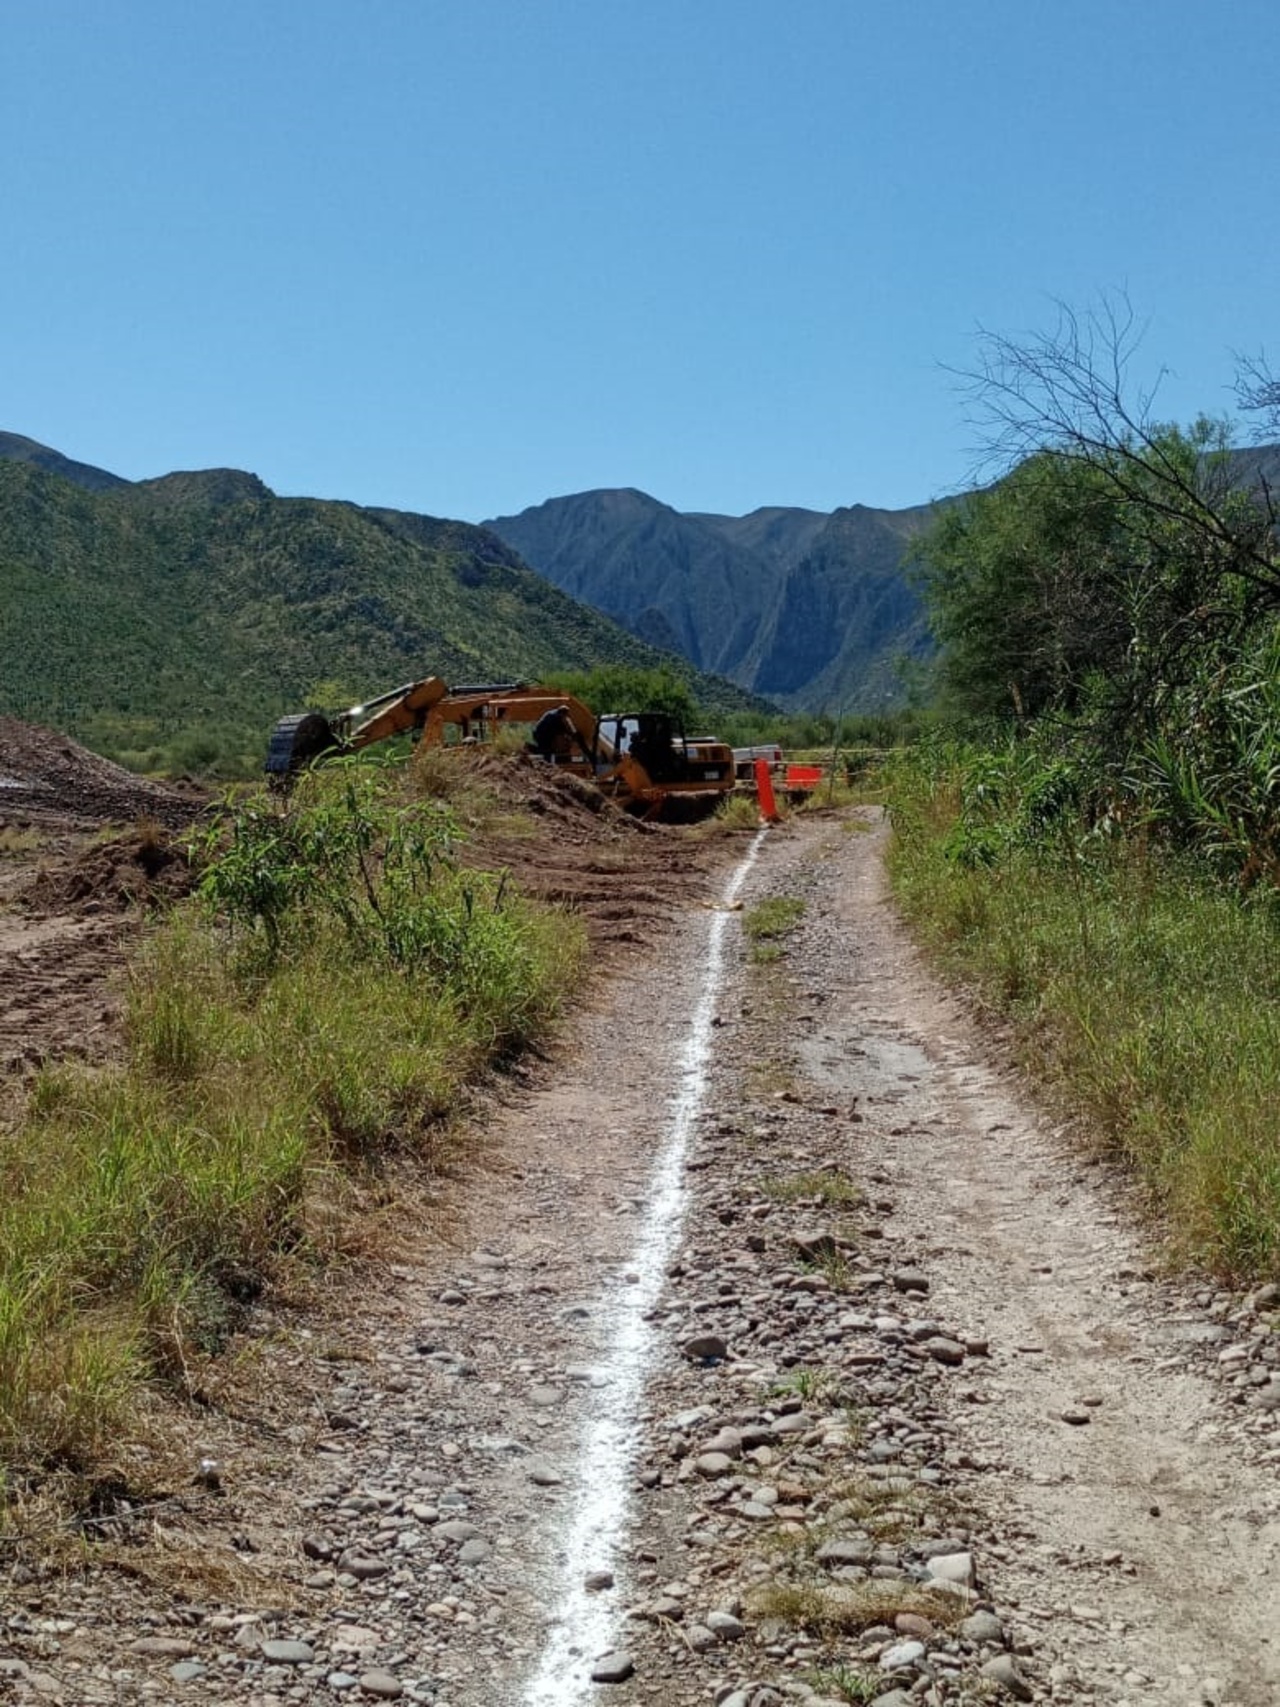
49 778
564 843
142 869
531 785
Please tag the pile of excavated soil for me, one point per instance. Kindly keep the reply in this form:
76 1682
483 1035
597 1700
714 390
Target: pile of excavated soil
47 778
141 868
566 845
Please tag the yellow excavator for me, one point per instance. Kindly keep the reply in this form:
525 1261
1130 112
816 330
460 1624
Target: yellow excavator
641 759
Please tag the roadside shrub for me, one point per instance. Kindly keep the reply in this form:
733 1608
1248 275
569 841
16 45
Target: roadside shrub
319 1008
1147 996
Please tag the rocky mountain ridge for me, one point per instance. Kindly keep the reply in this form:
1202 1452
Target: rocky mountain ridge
809 609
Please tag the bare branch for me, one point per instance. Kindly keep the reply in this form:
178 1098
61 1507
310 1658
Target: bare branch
1258 392
1069 392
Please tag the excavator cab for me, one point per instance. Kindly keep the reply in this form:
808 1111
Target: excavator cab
652 739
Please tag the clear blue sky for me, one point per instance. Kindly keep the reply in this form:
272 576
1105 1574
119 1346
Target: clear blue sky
462 255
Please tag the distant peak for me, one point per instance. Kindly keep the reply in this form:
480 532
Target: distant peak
207 486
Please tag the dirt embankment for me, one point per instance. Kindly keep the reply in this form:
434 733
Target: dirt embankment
49 779
87 851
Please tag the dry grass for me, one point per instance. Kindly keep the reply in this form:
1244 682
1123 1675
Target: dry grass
737 813
18 844
827 1610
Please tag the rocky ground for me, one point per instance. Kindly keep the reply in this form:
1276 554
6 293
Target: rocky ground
775 1350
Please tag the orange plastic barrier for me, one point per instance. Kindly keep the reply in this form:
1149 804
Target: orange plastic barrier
804 776
764 792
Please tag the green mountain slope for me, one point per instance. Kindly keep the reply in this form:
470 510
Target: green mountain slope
171 621
15 448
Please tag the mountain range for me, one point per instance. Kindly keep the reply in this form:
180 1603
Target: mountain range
809 609
169 622
140 613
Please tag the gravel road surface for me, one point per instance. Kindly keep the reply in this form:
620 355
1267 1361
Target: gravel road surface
778 1350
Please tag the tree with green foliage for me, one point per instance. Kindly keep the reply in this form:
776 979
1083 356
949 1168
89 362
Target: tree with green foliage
623 687
1113 560
1119 592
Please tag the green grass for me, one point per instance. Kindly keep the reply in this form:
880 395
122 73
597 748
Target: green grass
1145 995
827 1186
768 923
144 1207
814 1386
833 1266
846 1684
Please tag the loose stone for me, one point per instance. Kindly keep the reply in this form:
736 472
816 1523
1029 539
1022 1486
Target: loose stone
288 1653
725 1626
902 1656
381 1685
952 1568
983 1627
1003 1671
706 1348
616 1667
943 1350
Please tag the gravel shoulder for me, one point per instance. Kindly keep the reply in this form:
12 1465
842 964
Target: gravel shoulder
906 1347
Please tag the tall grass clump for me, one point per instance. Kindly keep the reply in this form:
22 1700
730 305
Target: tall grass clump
316 1009
1145 989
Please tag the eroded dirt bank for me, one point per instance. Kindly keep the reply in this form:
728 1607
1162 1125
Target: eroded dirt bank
953 1412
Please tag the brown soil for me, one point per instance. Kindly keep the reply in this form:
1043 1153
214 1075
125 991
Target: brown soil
564 844
89 851
48 779
75 884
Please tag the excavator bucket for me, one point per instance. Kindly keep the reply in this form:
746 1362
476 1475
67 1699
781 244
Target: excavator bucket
296 740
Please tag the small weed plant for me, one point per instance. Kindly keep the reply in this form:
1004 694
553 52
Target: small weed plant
846 1684
826 1186
768 923
736 813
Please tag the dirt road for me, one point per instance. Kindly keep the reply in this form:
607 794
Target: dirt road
778 1352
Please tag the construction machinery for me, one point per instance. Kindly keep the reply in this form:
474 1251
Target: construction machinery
300 739
641 759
